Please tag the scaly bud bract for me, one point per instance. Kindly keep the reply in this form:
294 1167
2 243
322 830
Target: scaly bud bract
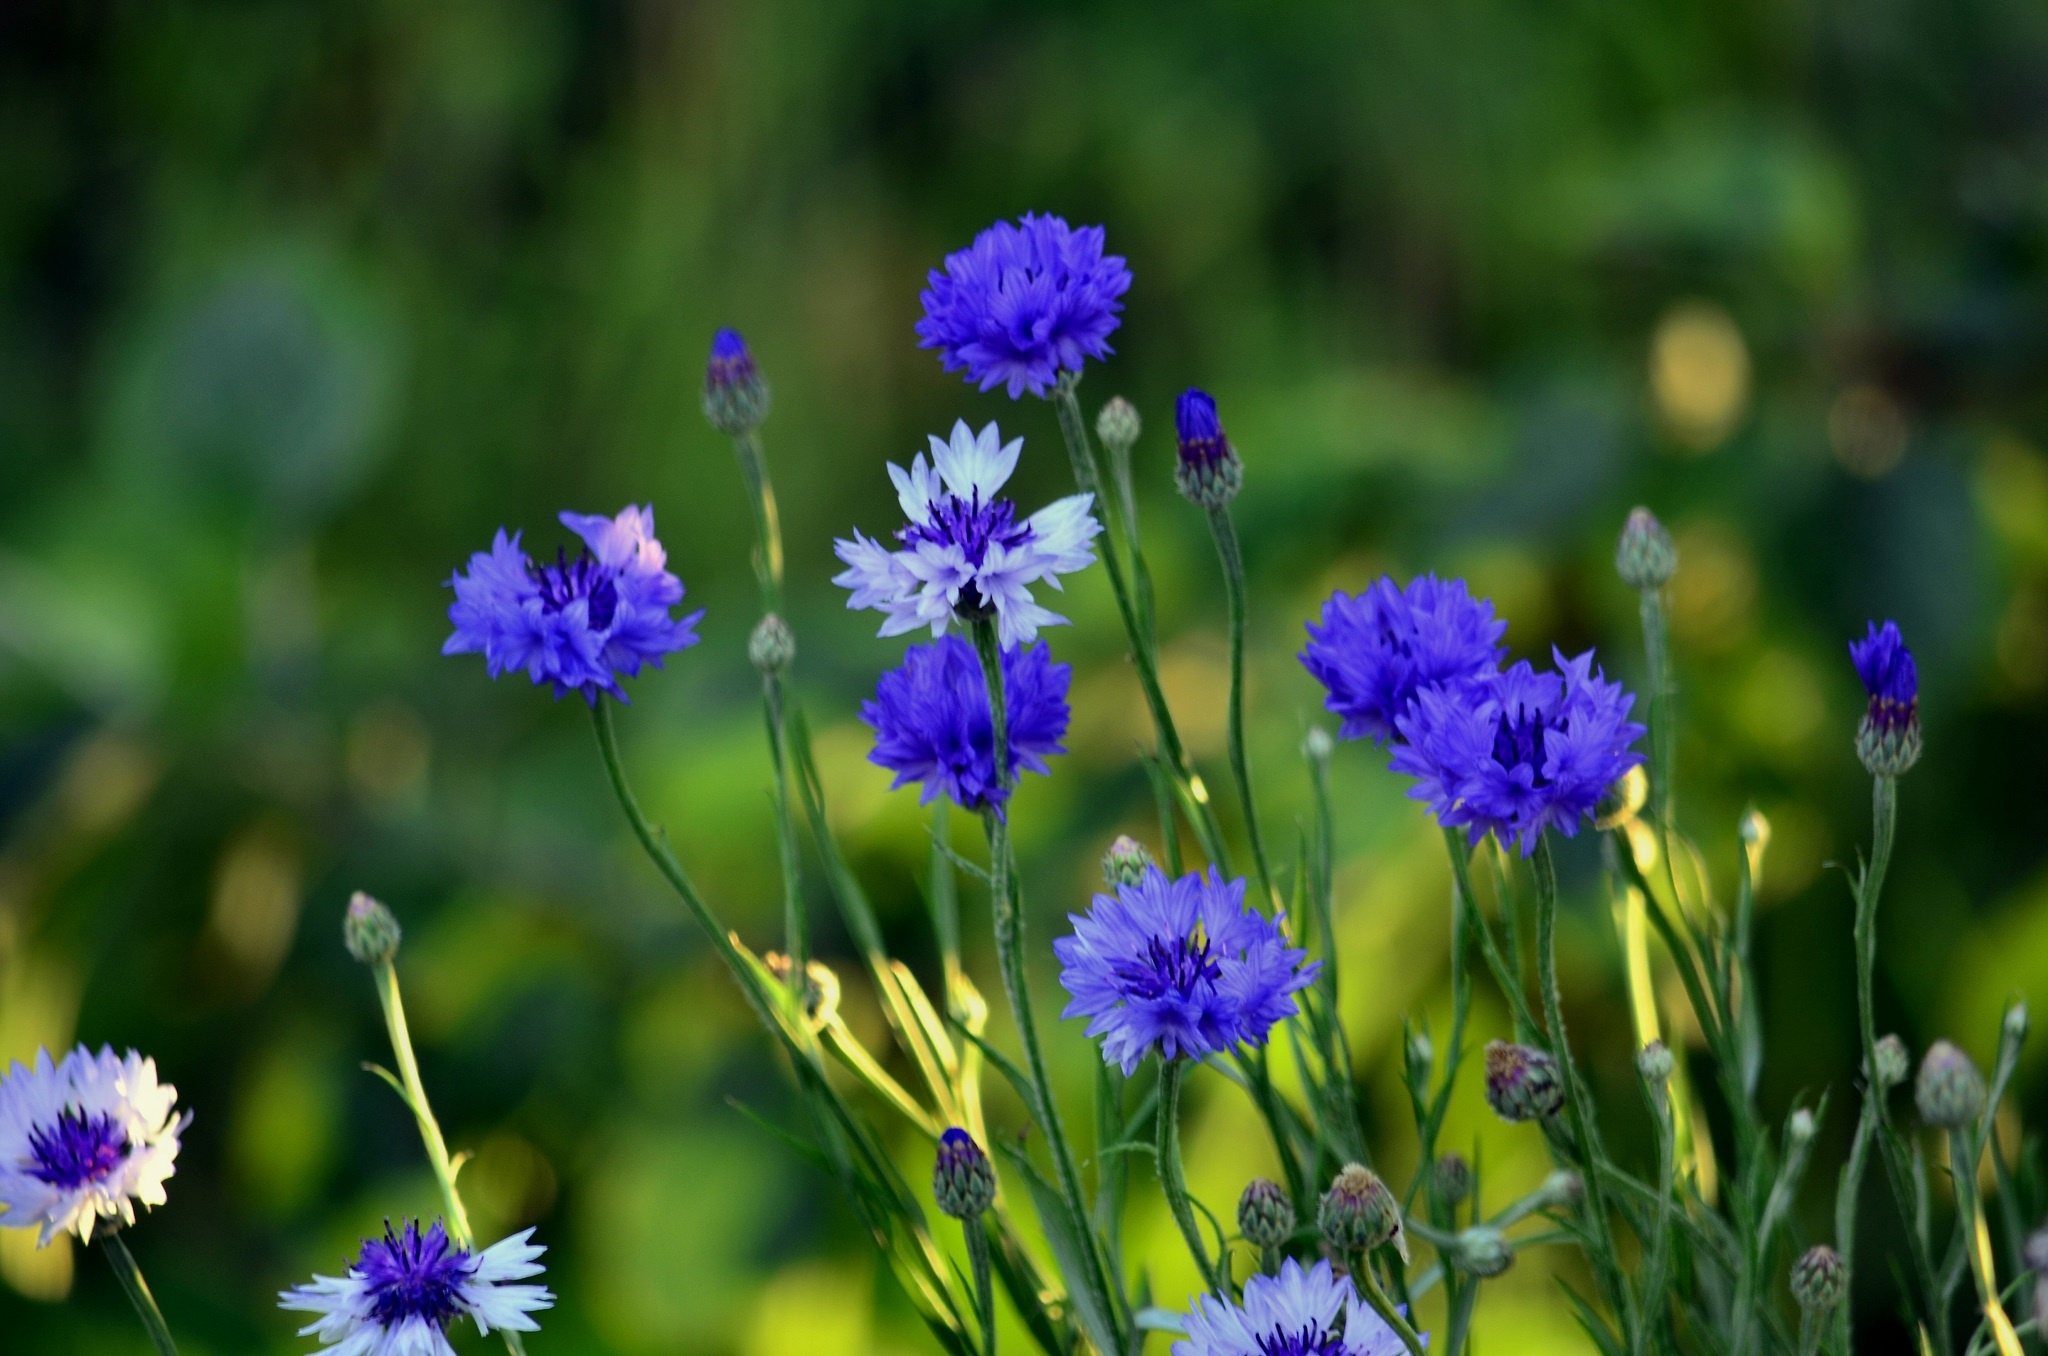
964 1182
1358 1213
1209 472
735 395
1453 1178
1645 557
1949 1091
1126 862
772 646
369 930
1118 424
1522 1082
1264 1215
1819 1279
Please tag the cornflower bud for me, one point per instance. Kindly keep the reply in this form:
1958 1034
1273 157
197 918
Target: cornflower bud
1562 1187
1421 1054
1317 746
1264 1215
1118 424
1655 1063
1453 1178
1819 1279
1950 1091
1799 1129
1522 1082
1892 1061
2015 1027
772 646
369 930
964 1182
1126 862
735 396
1888 738
1645 557
1358 1213
1483 1250
1209 472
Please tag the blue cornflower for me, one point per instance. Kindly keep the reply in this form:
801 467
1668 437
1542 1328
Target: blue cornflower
406 1288
1375 651
1300 1312
1888 739
965 554
1181 967
735 396
1208 471
930 719
1022 302
579 624
84 1139
1516 752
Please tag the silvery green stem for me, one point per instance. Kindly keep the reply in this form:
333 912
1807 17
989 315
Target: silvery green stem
1384 1307
767 522
1654 1300
137 1290
1466 1296
1657 651
1847 1193
1172 1179
984 1289
1884 802
1227 551
1510 984
795 939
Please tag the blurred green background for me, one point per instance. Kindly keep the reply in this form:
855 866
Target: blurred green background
300 301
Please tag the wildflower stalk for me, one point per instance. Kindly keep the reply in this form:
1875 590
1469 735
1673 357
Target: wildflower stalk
1172 1178
1369 1284
1227 551
1654 1299
137 1289
1965 1148
976 1234
767 521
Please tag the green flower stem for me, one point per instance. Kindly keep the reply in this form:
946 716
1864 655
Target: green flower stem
1464 1296
1847 1191
1657 651
1655 1300
767 522
444 1170
1009 933
1227 551
1172 1179
1510 984
984 1288
1361 1271
137 1290
1144 651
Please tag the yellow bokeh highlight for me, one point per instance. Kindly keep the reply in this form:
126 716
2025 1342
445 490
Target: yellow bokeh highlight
1699 374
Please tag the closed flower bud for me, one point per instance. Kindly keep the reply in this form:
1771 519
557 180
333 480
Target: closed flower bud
1799 1129
1208 473
1453 1178
1892 1061
1655 1062
964 1182
1358 1213
369 930
772 646
1888 739
1562 1187
1264 1215
1819 1279
1125 863
1522 1083
1483 1251
1421 1054
1317 746
1950 1091
1645 557
1118 424
735 396
2016 1021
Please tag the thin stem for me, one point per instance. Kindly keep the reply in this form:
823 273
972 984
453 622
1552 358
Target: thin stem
1884 804
984 1288
767 522
1654 1299
1172 1180
1657 651
1384 1307
794 929
1227 551
137 1290
1467 1295
1847 1193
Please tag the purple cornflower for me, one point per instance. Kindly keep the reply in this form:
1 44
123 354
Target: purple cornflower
1375 651
1301 1312
1515 751
578 624
1181 967
1208 472
1888 738
84 1139
965 553
406 1288
1023 302
930 719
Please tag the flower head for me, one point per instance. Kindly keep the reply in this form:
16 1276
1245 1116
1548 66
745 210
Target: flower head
1022 302
930 719
84 1139
1209 472
578 624
735 396
1301 1312
1516 751
1178 966
1949 1091
1888 739
1522 1082
963 1180
405 1288
1375 651
965 553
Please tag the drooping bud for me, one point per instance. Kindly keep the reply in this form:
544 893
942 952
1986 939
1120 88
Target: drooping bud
369 930
1209 472
1888 738
735 395
1358 1213
1118 425
772 646
1655 1063
1453 1178
1819 1279
1893 1062
1645 557
964 1182
1126 862
1264 1215
1483 1251
1522 1082
1950 1091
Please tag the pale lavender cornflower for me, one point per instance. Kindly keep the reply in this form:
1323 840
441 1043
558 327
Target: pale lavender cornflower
1301 1312
964 553
87 1138
405 1288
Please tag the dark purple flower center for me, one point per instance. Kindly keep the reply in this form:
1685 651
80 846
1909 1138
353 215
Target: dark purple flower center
1308 1340
1890 714
563 582
414 1275
1518 739
1199 432
970 525
1168 968
731 364
76 1150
